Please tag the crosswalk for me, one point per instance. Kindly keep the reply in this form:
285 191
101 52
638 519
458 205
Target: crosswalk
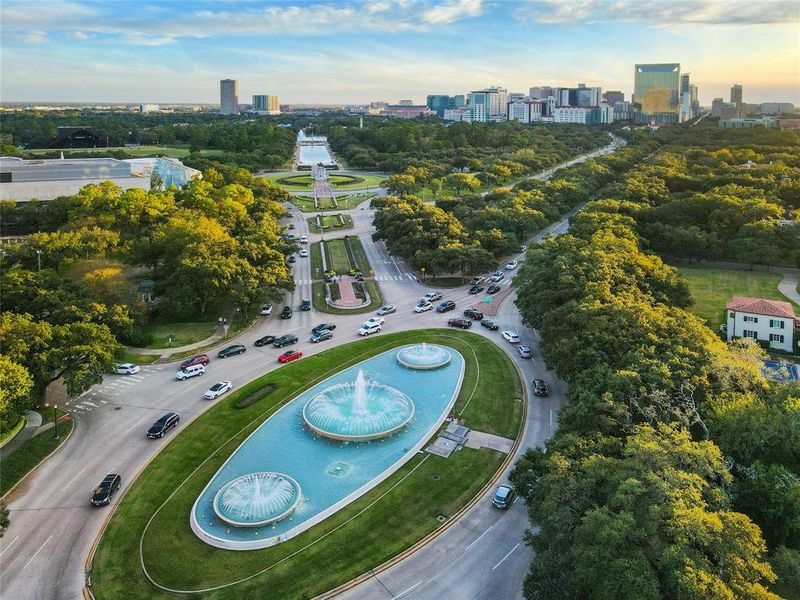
95 397
404 277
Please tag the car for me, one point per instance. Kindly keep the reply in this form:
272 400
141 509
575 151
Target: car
264 341
105 490
446 306
540 388
522 248
386 309
163 425
303 239
368 328
524 351
423 306
127 369
197 359
490 324
216 390
287 312
477 280
305 305
303 253
285 340
291 225
511 265
432 296
232 350
473 313
493 289
497 276
289 356
372 321
321 336
476 289
511 337
323 327
266 310
292 258
460 322
504 496
190 371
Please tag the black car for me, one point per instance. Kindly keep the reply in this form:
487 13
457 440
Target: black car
285 340
459 322
445 306
231 351
305 305
323 327
322 335
490 324
286 313
292 258
493 289
540 388
104 491
265 341
163 425
473 313
476 289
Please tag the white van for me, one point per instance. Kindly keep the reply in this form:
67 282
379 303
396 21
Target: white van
192 371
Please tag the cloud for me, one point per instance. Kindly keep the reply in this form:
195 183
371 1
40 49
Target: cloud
79 35
451 11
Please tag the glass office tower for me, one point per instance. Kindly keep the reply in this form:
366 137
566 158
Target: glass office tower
656 88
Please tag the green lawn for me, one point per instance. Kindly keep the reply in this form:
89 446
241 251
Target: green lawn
180 333
19 463
139 359
137 151
331 222
712 288
364 534
336 253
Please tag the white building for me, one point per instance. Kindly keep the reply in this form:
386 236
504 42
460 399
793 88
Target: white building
606 113
769 321
149 108
488 104
524 111
457 114
576 114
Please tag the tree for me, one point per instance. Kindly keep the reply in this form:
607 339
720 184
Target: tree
401 184
770 494
461 181
5 520
435 186
15 389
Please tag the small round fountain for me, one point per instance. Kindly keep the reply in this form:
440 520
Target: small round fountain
257 499
358 411
423 356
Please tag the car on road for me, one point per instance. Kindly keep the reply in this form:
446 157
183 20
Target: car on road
497 276
493 289
287 312
232 350
511 265
291 225
445 306
285 340
127 369
292 258
432 296
490 324
189 372
264 341
473 313
216 390
386 309
477 280
266 310
321 336
197 359
303 239
524 351
511 337
103 492
460 322
522 248
323 327
289 356
372 321
369 329
504 496
476 289
423 306
540 388
303 253
163 425
305 305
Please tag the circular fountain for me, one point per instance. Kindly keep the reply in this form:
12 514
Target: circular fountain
358 411
423 356
257 499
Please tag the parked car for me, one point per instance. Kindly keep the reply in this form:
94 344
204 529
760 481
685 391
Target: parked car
372 321
540 388
460 323
127 369
476 289
303 253
323 327
264 341
286 313
321 336
493 289
197 359
490 324
189 372
422 306
289 356
473 313
216 390
266 310
524 351
386 309
477 280
511 337
432 296
497 276
163 425
369 329
504 496
285 340
511 265
446 306
305 305
232 350
103 492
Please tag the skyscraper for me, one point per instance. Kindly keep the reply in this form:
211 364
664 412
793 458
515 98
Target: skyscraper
266 104
229 97
656 88
488 105
613 96
736 93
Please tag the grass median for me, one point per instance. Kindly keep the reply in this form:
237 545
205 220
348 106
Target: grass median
22 460
361 536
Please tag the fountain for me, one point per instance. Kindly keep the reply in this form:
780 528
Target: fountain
423 356
257 499
358 411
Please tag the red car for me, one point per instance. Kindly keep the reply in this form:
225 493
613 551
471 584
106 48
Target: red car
289 356
199 359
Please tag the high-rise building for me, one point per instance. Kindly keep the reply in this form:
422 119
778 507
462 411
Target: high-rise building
441 102
587 96
612 97
229 97
149 108
488 104
736 93
263 103
657 89
524 110
406 103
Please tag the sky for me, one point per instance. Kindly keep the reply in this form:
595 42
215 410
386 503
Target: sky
359 51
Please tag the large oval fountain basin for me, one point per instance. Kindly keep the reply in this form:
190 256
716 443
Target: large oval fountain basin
330 473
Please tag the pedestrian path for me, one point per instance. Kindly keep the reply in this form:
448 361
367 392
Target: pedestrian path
220 333
788 285
33 421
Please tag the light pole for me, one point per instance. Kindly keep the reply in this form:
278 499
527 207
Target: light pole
39 260
55 420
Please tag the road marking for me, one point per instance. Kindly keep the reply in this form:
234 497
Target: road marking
9 545
73 479
506 556
479 537
30 560
134 425
403 593
103 401
92 404
551 417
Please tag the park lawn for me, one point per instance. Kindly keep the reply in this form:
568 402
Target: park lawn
368 182
316 260
348 201
20 462
13 430
364 534
181 333
138 359
330 222
336 253
362 262
713 288
326 203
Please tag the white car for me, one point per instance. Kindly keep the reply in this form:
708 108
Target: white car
216 390
192 371
266 310
303 239
373 321
374 328
497 276
127 369
423 306
511 265
432 296
511 337
303 253
386 309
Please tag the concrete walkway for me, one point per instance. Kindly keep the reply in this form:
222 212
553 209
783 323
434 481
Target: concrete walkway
347 295
788 285
220 333
33 421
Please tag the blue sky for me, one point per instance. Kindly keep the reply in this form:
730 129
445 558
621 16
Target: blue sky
351 51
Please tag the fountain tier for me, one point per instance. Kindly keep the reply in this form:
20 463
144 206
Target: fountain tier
257 499
423 356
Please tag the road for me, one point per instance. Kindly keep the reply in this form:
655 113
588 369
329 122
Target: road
53 526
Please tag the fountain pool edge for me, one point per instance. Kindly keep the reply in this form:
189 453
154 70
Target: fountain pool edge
334 508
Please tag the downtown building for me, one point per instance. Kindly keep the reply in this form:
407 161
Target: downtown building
266 105
584 115
657 90
489 104
229 97
439 103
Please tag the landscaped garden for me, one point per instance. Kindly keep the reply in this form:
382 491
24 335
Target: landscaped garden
337 221
343 255
340 181
151 526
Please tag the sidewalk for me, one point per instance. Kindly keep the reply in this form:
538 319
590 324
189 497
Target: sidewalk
33 421
220 333
788 285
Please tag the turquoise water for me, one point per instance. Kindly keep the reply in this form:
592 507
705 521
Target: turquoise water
311 155
331 474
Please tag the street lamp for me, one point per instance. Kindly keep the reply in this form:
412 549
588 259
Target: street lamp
55 421
39 260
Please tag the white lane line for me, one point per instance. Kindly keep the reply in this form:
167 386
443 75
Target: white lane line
506 556
479 537
134 425
551 417
73 479
92 404
9 545
30 560
403 593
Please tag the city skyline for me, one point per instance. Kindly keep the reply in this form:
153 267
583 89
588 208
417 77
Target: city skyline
355 52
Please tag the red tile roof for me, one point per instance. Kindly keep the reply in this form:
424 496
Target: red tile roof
760 306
